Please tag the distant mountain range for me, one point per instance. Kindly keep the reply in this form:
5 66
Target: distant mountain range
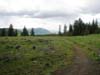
38 31
41 31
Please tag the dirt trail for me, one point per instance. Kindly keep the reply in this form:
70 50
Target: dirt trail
81 64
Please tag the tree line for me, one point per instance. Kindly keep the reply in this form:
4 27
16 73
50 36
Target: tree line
14 32
75 29
80 28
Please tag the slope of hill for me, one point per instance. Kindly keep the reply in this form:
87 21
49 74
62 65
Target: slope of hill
41 31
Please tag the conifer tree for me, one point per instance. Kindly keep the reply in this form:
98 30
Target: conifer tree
65 30
79 27
70 30
3 32
32 32
10 30
59 30
25 32
16 33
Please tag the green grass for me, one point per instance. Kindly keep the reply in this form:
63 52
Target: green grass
51 53
90 45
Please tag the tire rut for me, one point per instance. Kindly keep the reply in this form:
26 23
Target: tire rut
81 64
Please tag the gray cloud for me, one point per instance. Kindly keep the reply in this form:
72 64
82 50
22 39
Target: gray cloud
92 8
40 14
17 13
53 14
46 11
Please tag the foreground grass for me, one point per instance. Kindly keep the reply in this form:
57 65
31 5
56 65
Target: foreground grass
34 55
43 55
90 44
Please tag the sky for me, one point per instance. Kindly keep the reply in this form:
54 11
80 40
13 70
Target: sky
48 14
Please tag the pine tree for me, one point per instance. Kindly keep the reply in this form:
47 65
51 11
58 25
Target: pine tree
79 27
65 29
32 32
16 32
94 27
59 30
25 32
3 32
87 29
11 30
70 30
75 28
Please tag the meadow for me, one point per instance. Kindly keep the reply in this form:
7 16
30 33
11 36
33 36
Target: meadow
49 55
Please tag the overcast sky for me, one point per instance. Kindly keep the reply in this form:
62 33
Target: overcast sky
47 13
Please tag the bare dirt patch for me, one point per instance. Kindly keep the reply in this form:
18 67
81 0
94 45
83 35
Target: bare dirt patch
82 65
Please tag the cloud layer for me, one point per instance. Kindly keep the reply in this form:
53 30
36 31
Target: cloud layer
46 13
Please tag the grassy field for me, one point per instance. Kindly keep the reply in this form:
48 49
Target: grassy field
43 55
